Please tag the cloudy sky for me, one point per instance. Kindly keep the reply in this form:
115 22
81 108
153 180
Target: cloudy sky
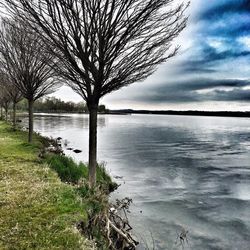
211 71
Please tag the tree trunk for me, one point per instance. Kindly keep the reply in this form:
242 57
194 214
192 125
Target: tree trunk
6 114
1 113
92 144
31 102
14 115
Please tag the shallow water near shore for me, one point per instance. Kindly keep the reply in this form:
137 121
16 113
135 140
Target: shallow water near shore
182 172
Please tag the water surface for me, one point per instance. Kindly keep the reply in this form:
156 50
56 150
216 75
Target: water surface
181 172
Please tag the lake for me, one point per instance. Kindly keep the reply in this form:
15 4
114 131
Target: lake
182 172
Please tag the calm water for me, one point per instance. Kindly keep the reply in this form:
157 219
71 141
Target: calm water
181 172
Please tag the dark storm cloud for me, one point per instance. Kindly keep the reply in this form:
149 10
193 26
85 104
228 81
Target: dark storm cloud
224 21
193 91
229 26
225 7
238 95
211 55
201 84
208 61
225 18
234 13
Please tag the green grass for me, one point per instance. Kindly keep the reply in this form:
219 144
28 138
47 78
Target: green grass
37 210
68 170
71 172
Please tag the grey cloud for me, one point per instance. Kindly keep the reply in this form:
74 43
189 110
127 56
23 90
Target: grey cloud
188 91
237 94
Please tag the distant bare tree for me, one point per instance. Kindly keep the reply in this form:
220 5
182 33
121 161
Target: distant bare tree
4 98
24 57
104 45
6 106
1 103
5 102
11 92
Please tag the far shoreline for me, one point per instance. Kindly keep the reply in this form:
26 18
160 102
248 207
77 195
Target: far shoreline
184 113
239 114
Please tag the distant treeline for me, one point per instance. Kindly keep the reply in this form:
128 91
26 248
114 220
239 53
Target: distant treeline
187 113
53 104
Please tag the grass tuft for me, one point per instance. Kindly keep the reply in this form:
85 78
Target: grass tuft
71 172
68 170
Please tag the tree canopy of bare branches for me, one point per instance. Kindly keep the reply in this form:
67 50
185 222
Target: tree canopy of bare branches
24 58
104 45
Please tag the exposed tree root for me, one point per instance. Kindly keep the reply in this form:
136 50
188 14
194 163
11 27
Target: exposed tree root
114 226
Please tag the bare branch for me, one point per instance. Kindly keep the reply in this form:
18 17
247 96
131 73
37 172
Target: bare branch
24 58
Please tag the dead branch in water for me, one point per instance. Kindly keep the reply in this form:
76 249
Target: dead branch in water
114 226
182 237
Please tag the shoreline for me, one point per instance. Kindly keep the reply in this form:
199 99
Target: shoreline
238 114
185 113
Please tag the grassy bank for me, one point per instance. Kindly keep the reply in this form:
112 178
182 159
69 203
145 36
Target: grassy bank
37 210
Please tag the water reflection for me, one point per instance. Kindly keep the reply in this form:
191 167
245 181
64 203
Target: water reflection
64 121
190 172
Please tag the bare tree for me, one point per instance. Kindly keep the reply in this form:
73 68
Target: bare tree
1 103
104 45
1 109
12 93
24 57
5 100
